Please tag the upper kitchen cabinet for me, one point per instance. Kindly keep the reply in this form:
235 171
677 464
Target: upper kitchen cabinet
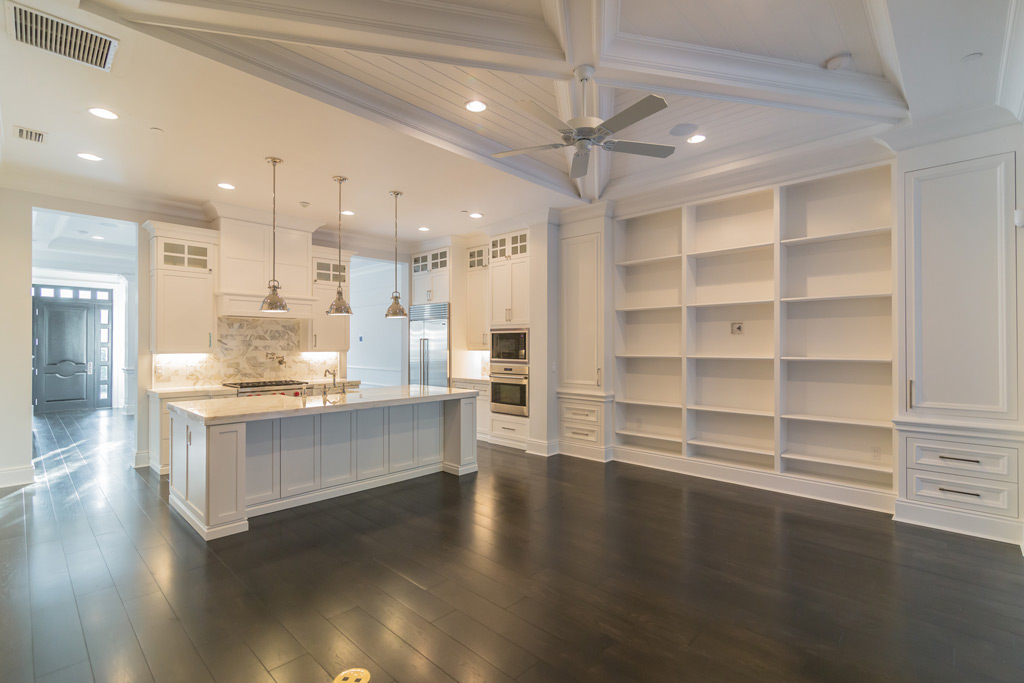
183 319
510 280
476 299
328 332
962 291
430 277
247 257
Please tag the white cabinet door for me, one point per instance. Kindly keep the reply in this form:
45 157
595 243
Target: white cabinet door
439 287
476 309
581 310
294 262
244 257
420 289
336 463
501 292
962 354
328 332
428 433
183 316
300 461
401 441
371 454
519 274
262 462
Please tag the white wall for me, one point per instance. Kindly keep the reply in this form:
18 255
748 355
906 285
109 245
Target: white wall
379 348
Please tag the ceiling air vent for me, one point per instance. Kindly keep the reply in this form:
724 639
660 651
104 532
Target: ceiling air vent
30 135
60 37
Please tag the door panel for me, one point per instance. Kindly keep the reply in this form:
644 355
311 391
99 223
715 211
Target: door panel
65 346
401 446
962 290
501 292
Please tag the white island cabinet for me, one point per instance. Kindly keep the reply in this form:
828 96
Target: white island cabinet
235 458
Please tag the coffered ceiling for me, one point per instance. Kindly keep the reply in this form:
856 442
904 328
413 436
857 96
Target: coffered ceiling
749 74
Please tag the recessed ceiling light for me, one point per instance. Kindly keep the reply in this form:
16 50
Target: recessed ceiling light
348 213
475 106
971 57
424 229
225 186
97 237
694 139
476 215
103 113
89 157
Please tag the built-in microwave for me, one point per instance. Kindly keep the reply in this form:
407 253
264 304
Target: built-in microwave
510 346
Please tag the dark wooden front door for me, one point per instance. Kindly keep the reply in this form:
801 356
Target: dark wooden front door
72 348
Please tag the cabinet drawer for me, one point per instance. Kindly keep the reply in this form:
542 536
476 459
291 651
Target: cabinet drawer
483 387
966 493
580 432
503 426
580 412
969 459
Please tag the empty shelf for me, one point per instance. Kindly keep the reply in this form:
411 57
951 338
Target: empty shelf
627 309
743 302
866 466
837 359
652 404
730 250
732 411
837 297
708 356
837 236
731 447
856 421
652 259
648 355
644 435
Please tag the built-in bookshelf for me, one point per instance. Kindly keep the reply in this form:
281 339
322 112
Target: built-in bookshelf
756 331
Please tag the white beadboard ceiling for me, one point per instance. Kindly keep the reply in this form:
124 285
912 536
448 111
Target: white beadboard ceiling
382 84
803 31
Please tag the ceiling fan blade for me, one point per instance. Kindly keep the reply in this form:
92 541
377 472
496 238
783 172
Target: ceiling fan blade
580 164
524 150
646 149
544 116
635 112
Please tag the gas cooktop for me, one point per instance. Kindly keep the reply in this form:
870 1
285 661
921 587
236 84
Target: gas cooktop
265 384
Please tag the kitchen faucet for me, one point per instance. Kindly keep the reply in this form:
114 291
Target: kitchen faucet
334 384
334 377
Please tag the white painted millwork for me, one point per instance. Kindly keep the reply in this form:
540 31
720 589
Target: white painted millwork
160 420
224 471
328 332
431 279
510 280
483 404
477 289
182 278
959 423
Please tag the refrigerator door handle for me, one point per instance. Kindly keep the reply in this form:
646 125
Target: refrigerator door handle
425 365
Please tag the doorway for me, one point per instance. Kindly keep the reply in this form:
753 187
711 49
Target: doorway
72 348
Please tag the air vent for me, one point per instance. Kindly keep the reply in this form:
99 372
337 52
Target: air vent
30 135
60 37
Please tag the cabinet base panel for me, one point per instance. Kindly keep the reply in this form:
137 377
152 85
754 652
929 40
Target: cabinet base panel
879 501
518 444
157 466
544 448
579 450
207 533
459 470
142 459
958 522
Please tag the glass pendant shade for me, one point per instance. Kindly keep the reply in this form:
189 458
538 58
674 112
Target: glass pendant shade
395 310
274 303
339 306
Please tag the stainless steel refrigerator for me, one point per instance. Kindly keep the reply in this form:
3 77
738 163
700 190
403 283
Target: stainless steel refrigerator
429 344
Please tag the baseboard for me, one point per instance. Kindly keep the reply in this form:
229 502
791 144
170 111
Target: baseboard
459 470
959 522
518 444
141 459
544 448
769 481
578 450
17 476
207 533
154 464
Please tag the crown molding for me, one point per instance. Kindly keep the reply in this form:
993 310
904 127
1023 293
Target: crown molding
599 209
1011 67
948 126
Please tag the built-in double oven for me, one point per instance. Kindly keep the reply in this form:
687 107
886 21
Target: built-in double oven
510 372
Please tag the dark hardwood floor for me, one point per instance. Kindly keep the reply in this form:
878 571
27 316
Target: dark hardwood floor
533 570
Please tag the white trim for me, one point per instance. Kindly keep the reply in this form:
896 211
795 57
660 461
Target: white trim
154 464
142 459
458 470
518 444
959 522
184 232
595 453
207 533
17 476
540 447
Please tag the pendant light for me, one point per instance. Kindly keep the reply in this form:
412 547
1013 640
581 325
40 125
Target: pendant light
395 310
339 306
274 303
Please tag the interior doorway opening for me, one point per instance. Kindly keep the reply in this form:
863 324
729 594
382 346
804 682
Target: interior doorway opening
378 352
85 312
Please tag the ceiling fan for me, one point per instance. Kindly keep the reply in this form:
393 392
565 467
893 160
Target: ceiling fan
587 132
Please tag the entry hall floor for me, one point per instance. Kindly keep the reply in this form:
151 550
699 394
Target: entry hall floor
532 570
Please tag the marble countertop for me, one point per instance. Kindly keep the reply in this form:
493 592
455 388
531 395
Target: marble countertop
252 408
221 390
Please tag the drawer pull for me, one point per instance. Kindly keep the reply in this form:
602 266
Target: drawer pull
950 457
579 414
508 429
580 433
962 493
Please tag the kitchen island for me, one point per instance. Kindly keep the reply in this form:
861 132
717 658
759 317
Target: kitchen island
235 458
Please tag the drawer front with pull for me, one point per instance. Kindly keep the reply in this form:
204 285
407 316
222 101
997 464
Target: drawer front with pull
575 432
968 459
502 426
967 493
580 412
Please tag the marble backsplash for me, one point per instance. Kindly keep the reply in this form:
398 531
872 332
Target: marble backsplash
241 355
